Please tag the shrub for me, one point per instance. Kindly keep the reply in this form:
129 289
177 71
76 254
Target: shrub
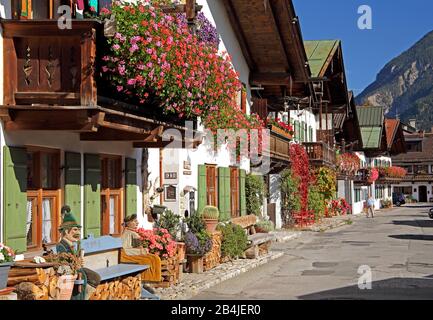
265 226
198 243
255 190
169 221
234 241
316 202
195 223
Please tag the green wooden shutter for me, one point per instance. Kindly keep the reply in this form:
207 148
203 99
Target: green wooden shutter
224 193
73 183
92 195
243 203
15 198
202 188
131 186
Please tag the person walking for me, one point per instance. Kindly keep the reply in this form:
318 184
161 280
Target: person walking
370 206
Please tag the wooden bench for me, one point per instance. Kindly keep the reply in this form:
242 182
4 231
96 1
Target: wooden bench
258 243
111 279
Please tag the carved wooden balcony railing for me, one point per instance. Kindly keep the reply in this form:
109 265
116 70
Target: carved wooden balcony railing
48 65
320 154
279 145
421 177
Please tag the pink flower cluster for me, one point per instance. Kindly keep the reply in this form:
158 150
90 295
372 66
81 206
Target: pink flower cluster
6 254
158 241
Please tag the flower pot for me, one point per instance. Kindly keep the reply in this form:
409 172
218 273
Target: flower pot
66 286
211 224
195 264
181 250
4 273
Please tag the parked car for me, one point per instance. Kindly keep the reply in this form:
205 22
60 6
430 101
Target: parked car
398 199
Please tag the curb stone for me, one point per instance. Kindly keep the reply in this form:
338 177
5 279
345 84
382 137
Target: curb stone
188 291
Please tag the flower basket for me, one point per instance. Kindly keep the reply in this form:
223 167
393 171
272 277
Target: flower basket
195 263
66 286
4 274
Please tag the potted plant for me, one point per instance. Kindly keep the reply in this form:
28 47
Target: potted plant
172 222
66 266
6 261
210 216
197 245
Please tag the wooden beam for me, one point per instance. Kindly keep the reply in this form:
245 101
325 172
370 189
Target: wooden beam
106 134
155 134
234 21
277 31
270 79
94 122
66 98
124 127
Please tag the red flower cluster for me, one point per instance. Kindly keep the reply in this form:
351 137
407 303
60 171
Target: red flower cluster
280 124
392 172
373 175
153 55
339 207
158 241
348 163
301 170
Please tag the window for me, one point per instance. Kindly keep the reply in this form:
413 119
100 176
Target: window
111 195
357 195
43 176
310 134
211 185
421 169
297 130
234 192
242 98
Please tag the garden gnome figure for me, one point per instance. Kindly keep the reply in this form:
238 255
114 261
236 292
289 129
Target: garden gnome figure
70 235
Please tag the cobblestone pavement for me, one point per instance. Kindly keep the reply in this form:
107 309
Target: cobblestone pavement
193 284
395 246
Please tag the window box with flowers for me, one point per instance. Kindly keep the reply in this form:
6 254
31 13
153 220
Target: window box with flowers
6 261
280 127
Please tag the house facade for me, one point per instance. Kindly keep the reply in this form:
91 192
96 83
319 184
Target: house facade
418 162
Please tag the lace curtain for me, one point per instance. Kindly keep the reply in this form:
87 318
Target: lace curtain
46 221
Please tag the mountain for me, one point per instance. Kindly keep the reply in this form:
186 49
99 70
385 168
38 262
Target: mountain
404 87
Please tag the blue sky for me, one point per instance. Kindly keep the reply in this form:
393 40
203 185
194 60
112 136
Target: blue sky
397 25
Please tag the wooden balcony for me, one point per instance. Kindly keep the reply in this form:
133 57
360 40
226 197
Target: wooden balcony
421 177
51 83
279 146
320 154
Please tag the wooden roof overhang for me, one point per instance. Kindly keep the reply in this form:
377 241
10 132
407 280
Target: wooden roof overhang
351 131
269 35
395 137
96 123
330 71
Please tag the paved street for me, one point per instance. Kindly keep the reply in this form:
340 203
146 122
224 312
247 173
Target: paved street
396 244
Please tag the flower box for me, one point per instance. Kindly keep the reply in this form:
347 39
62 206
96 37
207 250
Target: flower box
281 132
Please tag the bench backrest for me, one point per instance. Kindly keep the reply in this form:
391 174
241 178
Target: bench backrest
246 222
101 252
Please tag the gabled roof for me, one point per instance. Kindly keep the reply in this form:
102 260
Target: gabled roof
371 121
370 116
391 128
319 54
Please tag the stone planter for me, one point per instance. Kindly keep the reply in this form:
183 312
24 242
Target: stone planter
195 264
4 273
211 224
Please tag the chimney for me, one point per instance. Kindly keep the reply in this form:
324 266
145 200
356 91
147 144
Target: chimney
412 123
